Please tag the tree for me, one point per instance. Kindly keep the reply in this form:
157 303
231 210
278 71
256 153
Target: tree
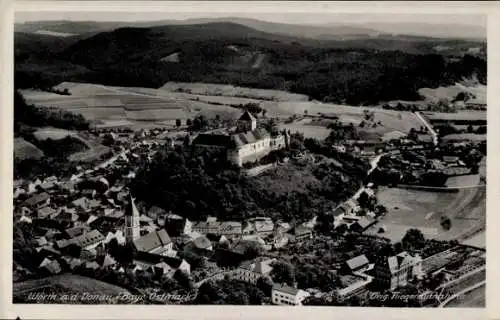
413 240
283 272
445 223
470 129
265 284
189 122
178 122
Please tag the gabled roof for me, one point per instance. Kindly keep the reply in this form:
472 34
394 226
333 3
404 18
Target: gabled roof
152 241
247 116
357 262
37 199
202 242
45 212
88 238
286 289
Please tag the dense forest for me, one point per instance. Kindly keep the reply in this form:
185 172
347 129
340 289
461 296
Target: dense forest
364 71
198 186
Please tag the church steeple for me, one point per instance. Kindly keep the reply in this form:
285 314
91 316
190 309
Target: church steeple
132 226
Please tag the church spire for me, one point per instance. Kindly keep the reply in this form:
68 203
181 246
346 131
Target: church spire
132 224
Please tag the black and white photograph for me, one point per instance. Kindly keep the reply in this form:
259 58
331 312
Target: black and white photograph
249 158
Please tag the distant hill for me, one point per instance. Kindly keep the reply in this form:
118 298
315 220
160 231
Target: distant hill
356 70
458 31
331 31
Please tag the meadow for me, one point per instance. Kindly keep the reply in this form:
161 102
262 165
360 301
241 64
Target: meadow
423 210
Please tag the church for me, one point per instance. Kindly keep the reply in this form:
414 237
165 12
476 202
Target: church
156 242
246 144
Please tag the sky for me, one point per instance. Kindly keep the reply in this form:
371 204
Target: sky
294 18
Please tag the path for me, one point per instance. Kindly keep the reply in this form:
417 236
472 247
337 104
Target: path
428 126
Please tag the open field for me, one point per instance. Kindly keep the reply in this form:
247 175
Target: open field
309 129
479 240
472 299
464 136
25 150
468 180
423 210
458 116
52 133
450 92
66 284
229 90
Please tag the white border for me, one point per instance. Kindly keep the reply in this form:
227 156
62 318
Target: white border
10 311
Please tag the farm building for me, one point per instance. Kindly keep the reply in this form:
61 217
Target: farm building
247 144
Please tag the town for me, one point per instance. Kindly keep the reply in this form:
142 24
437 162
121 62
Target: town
89 224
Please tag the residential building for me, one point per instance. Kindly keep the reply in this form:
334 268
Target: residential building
37 201
300 233
88 240
286 295
247 144
357 264
396 271
251 271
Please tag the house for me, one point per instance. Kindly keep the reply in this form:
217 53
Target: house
198 244
18 191
357 264
76 231
45 212
37 201
247 144
106 261
229 229
300 233
81 203
262 225
251 271
286 295
68 215
118 235
396 271
177 225
89 193
88 240
33 186
157 242
145 261
154 212
50 266
362 224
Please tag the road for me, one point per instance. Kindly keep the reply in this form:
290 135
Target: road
429 127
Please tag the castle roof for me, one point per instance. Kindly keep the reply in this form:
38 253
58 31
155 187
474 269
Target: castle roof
231 141
247 116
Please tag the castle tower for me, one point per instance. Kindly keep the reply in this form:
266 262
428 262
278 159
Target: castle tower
246 122
132 226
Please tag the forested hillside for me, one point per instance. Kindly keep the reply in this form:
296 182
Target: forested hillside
357 71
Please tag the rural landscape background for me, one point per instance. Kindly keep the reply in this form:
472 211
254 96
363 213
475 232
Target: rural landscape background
386 154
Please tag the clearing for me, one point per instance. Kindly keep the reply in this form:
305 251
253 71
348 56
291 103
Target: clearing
26 150
412 209
308 127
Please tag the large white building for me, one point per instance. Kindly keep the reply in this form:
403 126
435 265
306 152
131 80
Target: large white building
247 144
288 296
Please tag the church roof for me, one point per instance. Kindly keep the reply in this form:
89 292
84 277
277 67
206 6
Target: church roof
152 241
131 208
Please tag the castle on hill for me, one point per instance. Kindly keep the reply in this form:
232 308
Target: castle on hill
246 144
